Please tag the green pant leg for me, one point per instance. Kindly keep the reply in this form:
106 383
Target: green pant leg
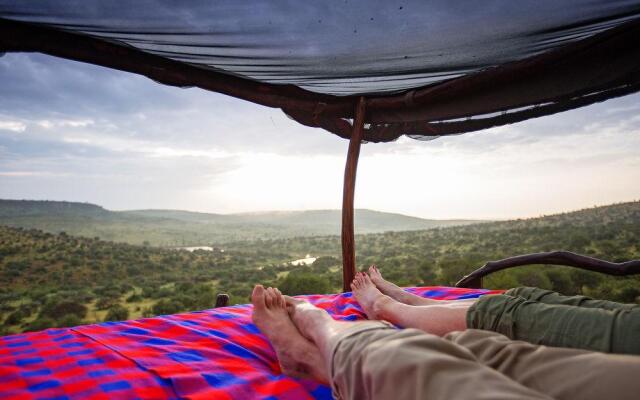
559 325
550 297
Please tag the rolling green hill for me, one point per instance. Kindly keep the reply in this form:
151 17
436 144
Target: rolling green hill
173 228
60 280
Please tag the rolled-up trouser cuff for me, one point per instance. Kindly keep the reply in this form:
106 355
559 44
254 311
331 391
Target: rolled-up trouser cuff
494 313
356 328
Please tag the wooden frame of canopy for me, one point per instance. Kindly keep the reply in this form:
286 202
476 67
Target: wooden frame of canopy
603 66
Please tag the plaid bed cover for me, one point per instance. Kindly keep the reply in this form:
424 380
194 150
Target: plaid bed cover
212 354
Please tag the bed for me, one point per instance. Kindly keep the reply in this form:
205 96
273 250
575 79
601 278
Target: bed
213 354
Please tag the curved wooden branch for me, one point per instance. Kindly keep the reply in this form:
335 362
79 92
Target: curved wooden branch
565 258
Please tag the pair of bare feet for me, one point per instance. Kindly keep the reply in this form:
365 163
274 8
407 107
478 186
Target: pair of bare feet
288 323
301 333
373 293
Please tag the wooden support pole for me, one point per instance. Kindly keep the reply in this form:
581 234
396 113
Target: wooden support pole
348 192
222 300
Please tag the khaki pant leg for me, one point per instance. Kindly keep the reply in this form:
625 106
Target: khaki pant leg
386 363
557 372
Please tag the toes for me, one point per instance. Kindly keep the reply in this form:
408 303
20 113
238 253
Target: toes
269 297
275 301
279 297
366 279
258 296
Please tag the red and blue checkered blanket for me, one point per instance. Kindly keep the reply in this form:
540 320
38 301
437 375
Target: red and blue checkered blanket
212 354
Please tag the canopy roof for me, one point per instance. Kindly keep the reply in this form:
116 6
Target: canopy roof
426 68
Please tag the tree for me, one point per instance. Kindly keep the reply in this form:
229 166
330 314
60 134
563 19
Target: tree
165 306
68 320
16 317
40 324
426 273
117 313
322 263
58 309
304 283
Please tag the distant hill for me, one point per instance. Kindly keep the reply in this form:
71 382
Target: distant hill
23 208
366 221
186 228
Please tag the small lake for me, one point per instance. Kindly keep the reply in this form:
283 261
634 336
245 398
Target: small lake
205 248
308 260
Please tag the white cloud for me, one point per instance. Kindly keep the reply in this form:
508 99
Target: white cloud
17 174
14 126
64 123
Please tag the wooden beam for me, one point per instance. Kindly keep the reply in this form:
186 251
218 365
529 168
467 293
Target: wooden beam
348 192
18 36
565 258
593 65
390 131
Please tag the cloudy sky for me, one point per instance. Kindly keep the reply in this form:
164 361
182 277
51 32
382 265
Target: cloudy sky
77 132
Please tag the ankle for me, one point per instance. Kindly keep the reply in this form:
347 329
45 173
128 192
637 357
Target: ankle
381 306
376 279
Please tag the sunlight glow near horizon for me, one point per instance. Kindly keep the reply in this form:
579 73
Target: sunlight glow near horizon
516 182
125 142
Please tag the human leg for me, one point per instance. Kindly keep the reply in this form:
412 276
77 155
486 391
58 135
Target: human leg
551 297
437 319
371 360
560 373
559 325
394 291
297 356
316 325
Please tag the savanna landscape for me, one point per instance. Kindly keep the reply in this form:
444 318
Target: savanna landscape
64 264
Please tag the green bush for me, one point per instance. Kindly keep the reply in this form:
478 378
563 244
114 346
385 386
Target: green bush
117 313
134 298
68 320
166 306
41 323
59 309
323 263
104 303
304 283
16 317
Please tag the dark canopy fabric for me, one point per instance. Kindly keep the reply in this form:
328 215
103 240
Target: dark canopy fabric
427 68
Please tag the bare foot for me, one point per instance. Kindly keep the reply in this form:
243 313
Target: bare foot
306 316
379 281
369 297
298 357
317 325
396 292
